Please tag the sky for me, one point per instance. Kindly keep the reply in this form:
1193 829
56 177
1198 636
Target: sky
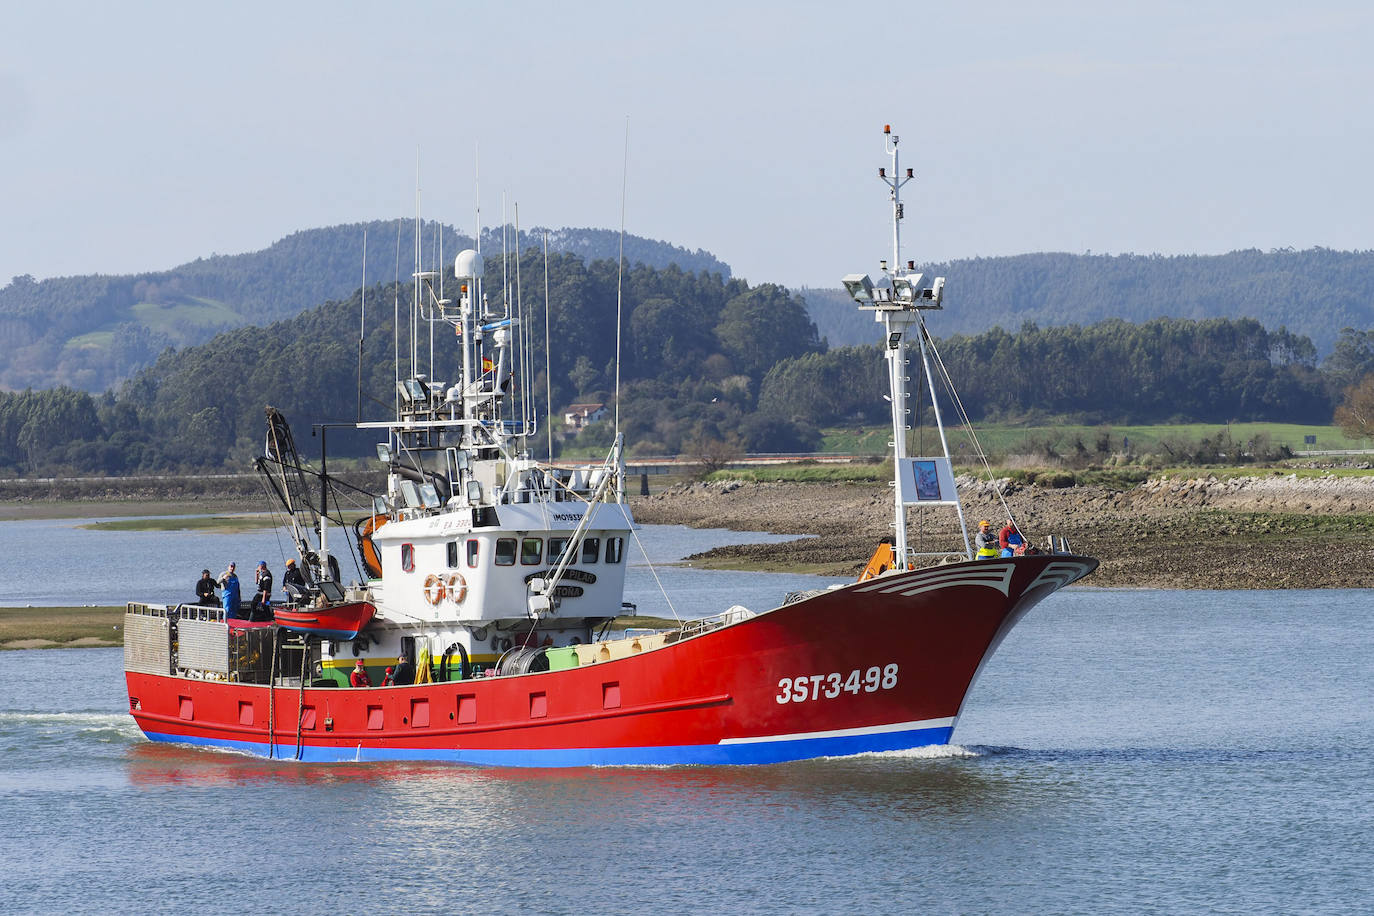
138 136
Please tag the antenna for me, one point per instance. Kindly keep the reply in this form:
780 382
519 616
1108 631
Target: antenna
518 359
548 376
362 325
620 269
415 283
396 318
894 183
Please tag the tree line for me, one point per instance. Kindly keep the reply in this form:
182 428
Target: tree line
1313 292
705 357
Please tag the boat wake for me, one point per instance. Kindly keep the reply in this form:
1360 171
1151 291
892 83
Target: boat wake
929 752
96 726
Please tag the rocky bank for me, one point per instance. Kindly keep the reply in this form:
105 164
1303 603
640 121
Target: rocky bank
1272 530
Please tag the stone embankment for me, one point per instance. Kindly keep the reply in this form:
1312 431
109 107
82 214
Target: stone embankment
1272 530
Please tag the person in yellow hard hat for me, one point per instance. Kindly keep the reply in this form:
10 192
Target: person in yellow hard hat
986 541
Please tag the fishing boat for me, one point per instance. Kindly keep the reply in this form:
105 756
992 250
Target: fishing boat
482 625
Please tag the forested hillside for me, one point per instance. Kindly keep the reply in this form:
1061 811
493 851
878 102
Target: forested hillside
705 359
1314 293
91 332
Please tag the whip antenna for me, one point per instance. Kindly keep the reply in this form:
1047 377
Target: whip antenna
362 325
548 377
620 270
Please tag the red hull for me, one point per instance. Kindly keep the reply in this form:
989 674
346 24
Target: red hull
872 666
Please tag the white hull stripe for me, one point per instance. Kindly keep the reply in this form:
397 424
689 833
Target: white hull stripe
993 575
947 722
1060 574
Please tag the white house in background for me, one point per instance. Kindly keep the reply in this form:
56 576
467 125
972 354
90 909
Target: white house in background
580 415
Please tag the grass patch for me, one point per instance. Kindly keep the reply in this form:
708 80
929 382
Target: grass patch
92 340
226 524
1142 439
857 440
807 473
185 310
61 625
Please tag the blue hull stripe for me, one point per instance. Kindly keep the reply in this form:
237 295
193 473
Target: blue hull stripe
754 752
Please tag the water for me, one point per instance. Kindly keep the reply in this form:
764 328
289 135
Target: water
1126 751
60 563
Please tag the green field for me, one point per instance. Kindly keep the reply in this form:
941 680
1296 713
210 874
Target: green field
1013 440
191 310
230 524
170 318
97 340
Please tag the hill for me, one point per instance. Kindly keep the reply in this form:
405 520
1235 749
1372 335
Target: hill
1313 293
710 366
93 331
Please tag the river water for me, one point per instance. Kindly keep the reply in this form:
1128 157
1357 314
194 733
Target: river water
1125 751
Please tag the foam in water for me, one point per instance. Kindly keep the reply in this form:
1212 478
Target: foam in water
97 719
928 752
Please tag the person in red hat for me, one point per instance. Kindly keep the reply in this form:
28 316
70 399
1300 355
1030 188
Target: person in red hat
359 676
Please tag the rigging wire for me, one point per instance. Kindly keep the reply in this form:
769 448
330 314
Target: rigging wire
519 340
642 549
652 571
968 424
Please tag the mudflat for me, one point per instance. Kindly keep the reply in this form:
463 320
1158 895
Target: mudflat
61 627
1270 530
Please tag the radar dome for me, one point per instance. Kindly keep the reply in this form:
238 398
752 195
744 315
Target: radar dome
467 264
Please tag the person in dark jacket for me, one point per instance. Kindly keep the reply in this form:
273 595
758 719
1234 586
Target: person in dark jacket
293 582
262 601
404 673
206 588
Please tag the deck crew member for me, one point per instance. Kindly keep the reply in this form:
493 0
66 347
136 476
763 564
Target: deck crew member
293 582
985 541
358 677
262 601
405 672
1010 540
229 581
206 587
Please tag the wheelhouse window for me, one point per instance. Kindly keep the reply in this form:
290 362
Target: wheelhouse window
474 549
591 550
557 547
452 554
615 549
408 557
531 551
505 551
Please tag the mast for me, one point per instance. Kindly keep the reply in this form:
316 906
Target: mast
897 297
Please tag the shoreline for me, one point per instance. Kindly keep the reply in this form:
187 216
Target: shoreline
1269 531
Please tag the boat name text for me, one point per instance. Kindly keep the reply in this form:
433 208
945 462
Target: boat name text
814 686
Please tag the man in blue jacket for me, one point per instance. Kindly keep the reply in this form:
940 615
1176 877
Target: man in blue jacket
229 582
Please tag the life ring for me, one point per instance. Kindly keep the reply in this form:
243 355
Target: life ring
434 589
457 588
